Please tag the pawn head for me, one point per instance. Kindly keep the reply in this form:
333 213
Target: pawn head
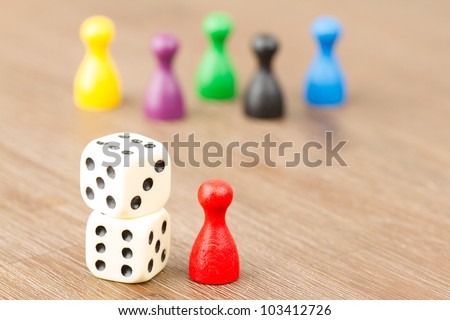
215 195
97 30
264 46
218 26
164 45
326 29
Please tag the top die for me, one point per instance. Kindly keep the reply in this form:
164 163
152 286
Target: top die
125 175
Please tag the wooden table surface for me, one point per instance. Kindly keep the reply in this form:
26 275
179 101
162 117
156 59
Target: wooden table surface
375 229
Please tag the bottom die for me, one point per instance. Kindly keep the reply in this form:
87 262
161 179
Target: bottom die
127 250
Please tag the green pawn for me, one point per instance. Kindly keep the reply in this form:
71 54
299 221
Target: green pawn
215 75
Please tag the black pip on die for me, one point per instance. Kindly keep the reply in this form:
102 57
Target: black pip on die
125 179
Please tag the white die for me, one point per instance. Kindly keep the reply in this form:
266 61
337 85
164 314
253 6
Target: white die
125 175
127 250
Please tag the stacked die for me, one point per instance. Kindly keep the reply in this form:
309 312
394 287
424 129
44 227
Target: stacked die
125 179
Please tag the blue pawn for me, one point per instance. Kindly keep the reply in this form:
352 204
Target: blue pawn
325 84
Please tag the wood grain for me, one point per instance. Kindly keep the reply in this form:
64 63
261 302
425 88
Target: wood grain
375 229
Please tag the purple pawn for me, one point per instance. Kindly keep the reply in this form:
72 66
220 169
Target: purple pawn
163 98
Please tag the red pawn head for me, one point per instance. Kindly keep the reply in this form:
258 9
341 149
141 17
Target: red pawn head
214 257
215 195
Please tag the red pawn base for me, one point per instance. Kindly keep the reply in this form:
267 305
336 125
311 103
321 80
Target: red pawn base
213 268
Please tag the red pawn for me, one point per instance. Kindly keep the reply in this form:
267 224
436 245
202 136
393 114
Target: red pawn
214 256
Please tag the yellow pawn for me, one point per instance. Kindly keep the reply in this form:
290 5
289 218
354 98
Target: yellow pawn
97 84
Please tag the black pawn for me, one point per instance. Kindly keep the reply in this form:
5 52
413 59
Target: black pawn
264 98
